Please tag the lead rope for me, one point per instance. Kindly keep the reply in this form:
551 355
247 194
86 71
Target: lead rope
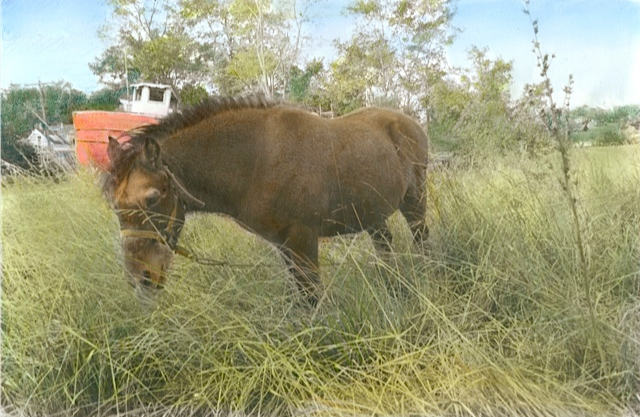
181 188
182 251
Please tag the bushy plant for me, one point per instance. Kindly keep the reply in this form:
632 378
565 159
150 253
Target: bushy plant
475 116
192 94
610 135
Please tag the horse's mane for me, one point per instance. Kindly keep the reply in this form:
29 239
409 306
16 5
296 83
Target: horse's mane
209 107
172 123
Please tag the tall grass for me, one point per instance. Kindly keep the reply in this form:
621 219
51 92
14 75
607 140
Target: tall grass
488 318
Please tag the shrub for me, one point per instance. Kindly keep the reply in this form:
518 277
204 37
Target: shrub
609 135
476 118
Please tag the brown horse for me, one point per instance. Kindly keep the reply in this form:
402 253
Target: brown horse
281 172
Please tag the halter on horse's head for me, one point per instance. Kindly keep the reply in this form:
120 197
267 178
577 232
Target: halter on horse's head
151 204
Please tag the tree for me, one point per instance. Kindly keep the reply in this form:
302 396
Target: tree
150 43
105 99
363 74
473 113
212 27
394 57
17 122
192 94
25 108
303 85
112 68
254 43
228 46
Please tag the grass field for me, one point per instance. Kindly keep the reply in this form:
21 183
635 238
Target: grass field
489 318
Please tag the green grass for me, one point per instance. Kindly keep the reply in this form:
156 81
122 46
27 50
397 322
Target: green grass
606 134
489 318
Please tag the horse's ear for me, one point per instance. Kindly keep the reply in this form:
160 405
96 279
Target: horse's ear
151 152
113 149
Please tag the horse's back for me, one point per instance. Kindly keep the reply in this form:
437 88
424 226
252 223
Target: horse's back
404 132
349 173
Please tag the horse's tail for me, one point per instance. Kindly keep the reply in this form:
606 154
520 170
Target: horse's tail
412 144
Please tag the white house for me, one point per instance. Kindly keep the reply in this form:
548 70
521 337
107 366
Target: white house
54 145
57 138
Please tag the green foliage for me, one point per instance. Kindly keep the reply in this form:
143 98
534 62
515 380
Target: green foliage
198 9
105 99
247 10
17 122
247 66
234 46
476 117
25 108
61 100
17 117
300 88
611 136
265 47
605 135
22 110
600 126
365 7
393 58
231 46
490 321
165 59
151 44
361 67
110 66
618 115
192 94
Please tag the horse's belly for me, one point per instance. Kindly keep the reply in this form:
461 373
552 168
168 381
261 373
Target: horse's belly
349 214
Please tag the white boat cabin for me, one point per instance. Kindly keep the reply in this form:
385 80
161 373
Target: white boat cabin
150 99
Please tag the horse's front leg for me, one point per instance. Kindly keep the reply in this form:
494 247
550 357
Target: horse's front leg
300 252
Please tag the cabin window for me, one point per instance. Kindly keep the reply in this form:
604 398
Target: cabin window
156 94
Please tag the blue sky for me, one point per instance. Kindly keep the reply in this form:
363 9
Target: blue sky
598 41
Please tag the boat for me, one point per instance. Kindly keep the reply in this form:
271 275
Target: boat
149 102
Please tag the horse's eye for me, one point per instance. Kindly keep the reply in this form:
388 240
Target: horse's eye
152 198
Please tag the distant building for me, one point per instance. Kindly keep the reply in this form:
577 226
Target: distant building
53 145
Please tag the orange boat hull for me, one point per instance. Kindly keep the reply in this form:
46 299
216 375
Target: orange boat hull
93 129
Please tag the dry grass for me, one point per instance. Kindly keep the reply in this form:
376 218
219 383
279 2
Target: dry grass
487 319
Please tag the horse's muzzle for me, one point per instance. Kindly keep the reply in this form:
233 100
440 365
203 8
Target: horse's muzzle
147 262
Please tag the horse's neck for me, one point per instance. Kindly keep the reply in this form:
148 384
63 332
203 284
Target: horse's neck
206 195
212 181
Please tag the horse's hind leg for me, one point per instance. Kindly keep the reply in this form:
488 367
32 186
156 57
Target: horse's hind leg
387 264
381 237
414 208
300 252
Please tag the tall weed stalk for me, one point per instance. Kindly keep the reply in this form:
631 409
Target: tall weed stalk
556 120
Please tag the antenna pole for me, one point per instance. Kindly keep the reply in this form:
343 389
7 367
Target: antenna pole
126 72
